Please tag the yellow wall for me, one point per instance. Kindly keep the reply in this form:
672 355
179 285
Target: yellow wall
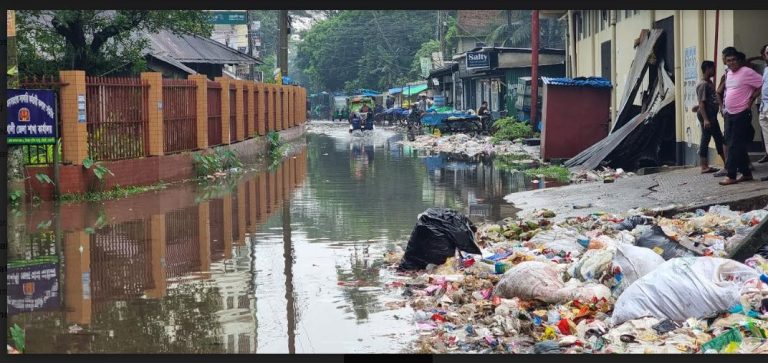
743 34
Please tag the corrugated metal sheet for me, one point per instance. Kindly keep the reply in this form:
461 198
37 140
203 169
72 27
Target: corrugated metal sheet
189 48
594 82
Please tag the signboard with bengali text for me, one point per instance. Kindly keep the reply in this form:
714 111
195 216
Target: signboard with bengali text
31 117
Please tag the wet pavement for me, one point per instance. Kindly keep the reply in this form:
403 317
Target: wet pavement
683 189
274 261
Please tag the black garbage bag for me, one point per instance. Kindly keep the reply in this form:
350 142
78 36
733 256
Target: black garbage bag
655 239
763 251
630 223
436 236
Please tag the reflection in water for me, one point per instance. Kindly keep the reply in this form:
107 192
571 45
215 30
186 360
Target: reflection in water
197 269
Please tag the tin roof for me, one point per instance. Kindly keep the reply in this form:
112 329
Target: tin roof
594 82
189 48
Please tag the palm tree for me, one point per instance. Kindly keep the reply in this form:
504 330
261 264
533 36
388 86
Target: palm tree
517 31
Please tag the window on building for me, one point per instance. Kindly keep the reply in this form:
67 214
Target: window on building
587 23
243 302
603 19
579 25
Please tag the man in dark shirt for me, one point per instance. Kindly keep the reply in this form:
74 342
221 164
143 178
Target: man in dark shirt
707 115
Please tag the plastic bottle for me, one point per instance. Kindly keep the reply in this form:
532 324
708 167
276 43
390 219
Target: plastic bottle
553 316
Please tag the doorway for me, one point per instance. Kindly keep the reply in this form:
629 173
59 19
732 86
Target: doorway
605 60
670 153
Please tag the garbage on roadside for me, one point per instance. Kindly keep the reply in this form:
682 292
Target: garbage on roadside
436 236
604 174
464 144
594 284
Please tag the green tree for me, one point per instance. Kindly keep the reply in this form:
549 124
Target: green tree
516 32
426 50
363 48
97 41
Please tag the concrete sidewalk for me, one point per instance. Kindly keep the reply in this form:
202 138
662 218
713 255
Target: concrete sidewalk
671 191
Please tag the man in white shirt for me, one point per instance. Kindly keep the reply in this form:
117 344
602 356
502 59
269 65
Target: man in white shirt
763 116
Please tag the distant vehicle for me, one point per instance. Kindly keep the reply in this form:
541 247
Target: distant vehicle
340 109
361 121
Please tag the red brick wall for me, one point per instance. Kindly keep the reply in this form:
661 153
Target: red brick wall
480 22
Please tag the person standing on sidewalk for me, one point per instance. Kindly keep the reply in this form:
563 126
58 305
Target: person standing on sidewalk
763 115
720 97
742 87
707 115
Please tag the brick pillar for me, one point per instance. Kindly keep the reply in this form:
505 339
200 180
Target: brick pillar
77 276
278 107
253 205
297 109
157 235
261 119
201 81
241 214
224 82
304 105
155 116
291 106
251 89
261 187
74 134
204 236
227 223
270 106
239 100
286 110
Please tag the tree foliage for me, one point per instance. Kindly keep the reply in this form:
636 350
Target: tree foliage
96 41
516 31
426 50
363 48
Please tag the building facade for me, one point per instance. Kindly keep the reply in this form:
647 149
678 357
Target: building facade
601 43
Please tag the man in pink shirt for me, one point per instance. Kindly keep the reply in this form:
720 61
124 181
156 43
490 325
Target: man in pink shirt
742 87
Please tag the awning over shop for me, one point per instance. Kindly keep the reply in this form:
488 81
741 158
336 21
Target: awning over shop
394 91
416 89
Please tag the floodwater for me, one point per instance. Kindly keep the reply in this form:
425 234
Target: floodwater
287 260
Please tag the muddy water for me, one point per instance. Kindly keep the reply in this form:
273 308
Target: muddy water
277 261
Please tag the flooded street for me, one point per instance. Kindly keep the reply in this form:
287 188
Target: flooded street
281 261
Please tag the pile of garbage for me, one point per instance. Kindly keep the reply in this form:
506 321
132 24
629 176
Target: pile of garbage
594 284
463 144
604 174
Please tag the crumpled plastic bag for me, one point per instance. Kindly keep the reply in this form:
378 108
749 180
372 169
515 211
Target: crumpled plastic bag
682 288
541 281
558 239
593 265
436 236
634 263
531 280
655 239
630 223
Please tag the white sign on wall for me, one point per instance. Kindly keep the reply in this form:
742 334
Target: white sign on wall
690 71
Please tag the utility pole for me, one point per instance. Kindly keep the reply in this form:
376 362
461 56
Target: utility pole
250 42
534 66
282 47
